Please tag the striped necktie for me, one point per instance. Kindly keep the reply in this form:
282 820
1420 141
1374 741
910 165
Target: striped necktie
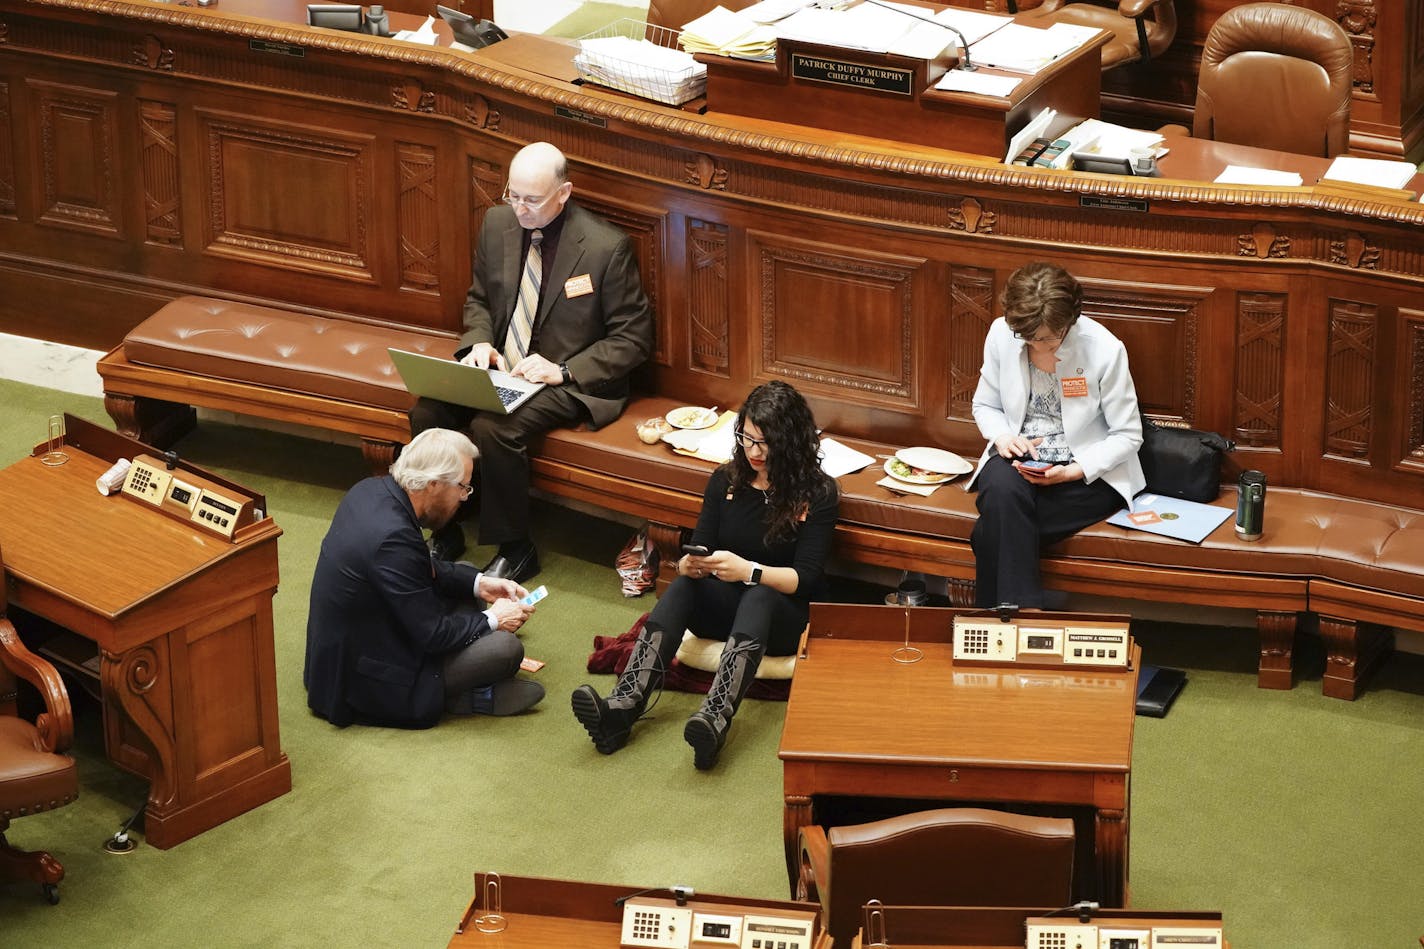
521 327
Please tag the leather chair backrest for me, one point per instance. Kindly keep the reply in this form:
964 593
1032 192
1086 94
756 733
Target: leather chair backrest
1278 77
963 856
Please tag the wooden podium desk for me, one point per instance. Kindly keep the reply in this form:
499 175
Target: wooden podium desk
861 725
994 927
544 913
182 620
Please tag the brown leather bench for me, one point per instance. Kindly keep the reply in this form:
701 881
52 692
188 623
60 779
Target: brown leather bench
1357 564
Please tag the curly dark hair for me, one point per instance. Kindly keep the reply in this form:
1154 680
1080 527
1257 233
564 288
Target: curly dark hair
793 455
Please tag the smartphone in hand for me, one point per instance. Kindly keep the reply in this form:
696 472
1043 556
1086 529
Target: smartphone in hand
1035 467
696 550
534 596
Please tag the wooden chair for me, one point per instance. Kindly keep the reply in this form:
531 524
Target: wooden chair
1141 29
1276 76
958 856
35 774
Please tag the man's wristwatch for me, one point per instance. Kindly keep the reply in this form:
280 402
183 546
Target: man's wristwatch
564 369
755 578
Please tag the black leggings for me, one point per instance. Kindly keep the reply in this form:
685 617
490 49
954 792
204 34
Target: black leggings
716 609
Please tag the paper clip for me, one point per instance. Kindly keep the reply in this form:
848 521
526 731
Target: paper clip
54 456
874 925
492 920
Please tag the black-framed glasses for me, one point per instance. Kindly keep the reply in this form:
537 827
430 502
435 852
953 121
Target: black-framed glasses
1050 338
520 201
748 443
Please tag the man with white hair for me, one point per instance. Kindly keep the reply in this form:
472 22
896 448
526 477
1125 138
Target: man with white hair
395 636
555 298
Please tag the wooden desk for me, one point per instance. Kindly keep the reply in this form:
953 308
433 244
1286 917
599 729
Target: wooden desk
544 913
859 724
993 927
183 622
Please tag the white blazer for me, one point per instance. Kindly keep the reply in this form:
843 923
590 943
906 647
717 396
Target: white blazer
1103 428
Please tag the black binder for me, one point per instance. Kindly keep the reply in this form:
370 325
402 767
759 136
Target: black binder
1157 688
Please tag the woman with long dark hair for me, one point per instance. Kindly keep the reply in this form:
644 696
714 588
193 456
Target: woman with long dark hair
766 523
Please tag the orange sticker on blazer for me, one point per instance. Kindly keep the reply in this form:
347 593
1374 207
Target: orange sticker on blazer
580 286
1075 387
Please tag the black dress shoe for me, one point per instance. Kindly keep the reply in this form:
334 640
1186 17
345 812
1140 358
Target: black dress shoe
518 566
448 542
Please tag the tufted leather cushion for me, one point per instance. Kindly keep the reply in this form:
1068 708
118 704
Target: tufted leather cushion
280 349
1308 534
1276 76
31 780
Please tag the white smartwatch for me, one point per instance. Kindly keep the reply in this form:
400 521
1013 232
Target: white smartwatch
755 578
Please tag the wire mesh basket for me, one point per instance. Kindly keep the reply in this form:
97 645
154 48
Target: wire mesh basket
642 59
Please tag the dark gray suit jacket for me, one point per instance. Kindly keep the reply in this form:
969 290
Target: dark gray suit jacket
383 614
602 336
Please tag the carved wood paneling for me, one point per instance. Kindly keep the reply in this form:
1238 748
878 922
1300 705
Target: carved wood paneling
1349 379
839 321
1358 17
419 219
971 310
162 195
486 186
1165 322
321 222
1410 390
644 227
7 155
78 150
707 299
1260 369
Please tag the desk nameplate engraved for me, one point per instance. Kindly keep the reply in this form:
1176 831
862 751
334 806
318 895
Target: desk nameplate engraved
281 49
578 115
1105 203
841 72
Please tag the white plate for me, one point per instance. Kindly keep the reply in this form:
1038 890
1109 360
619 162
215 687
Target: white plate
934 459
916 479
691 416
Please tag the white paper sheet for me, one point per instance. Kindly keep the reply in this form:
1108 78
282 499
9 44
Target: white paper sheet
839 459
957 80
1243 175
1370 171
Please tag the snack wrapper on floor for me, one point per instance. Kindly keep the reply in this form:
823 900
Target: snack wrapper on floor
637 564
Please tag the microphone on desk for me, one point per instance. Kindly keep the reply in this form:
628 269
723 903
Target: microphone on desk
680 892
1084 908
964 63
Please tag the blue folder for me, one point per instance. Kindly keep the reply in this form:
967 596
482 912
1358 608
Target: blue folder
1171 517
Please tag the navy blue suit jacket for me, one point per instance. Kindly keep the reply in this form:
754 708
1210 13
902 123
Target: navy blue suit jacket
383 614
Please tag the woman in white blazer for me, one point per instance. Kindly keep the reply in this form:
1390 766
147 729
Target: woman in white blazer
1057 405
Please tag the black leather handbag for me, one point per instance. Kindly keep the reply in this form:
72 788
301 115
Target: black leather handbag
1182 462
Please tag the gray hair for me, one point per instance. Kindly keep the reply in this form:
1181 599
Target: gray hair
436 455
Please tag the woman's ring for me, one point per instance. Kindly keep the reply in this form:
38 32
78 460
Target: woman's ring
714 573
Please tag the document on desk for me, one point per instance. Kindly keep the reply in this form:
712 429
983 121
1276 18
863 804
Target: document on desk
957 80
866 27
769 11
1028 49
838 458
1378 172
1037 127
1244 175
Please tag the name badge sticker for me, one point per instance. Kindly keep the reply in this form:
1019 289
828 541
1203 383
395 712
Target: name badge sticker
1143 518
1075 387
580 286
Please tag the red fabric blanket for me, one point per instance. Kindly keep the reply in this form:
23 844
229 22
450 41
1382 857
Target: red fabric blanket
610 655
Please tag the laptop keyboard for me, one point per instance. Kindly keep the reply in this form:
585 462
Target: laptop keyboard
508 396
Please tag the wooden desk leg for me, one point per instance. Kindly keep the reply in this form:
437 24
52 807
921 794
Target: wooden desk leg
139 683
1277 633
1351 650
1111 846
796 816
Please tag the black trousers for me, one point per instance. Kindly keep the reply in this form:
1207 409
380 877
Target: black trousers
1017 520
715 609
503 464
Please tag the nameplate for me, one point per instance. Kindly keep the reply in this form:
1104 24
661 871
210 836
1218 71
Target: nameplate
578 115
280 49
840 72
1137 205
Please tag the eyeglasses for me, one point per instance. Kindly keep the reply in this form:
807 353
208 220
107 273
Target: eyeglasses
1050 338
519 201
748 443
465 489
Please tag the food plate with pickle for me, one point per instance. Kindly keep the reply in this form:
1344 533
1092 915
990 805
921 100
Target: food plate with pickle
926 466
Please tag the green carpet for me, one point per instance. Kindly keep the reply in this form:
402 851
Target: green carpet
1294 814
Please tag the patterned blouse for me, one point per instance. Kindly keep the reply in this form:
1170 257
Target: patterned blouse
1044 418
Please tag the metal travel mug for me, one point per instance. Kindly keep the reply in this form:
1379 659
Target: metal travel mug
1250 504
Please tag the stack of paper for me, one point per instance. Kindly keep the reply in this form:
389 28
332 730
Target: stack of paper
866 27
1243 175
642 68
1370 171
769 11
1027 49
726 33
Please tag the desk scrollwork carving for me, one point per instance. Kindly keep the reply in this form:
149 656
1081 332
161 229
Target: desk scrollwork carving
705 172
1353 251
480 114
971 218
138 680
1263 243
153 54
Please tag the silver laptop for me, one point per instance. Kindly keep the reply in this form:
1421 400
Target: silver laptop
489 390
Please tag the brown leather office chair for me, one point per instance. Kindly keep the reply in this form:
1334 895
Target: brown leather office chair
35 774
674 14
1276 76
1141 29
957 856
